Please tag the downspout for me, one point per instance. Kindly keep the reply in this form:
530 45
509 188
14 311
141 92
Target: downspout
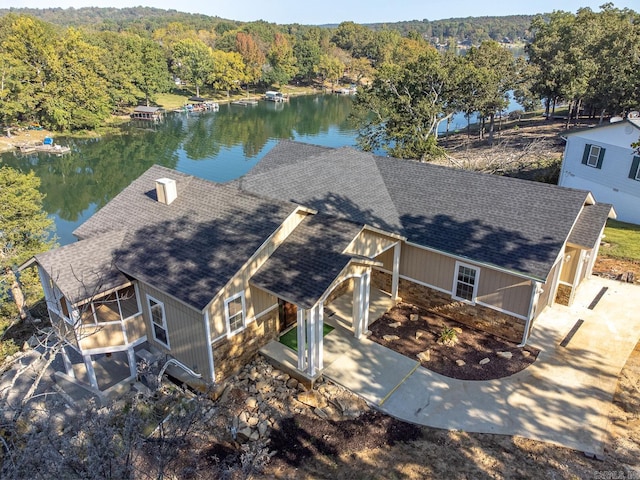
534 301
207 329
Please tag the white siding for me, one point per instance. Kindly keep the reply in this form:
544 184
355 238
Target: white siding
611 183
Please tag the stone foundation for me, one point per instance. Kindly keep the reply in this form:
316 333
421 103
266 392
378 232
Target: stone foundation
231 354
475 316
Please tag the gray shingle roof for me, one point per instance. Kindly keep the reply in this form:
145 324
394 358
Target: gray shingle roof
586 232
86 268
191 248
341 182
512 224
303 267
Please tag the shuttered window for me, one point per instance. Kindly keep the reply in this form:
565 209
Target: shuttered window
634 173
593 156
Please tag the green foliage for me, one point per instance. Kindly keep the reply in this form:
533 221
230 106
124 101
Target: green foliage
228 71
622 240
281 60
448 335
193 61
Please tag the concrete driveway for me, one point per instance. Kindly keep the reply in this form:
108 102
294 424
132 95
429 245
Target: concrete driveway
563 398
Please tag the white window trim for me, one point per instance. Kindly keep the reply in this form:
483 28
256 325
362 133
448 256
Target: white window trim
164 321
591 155
454 288
117 299
228 317
637 177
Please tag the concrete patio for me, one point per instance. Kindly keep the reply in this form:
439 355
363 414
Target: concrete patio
563 398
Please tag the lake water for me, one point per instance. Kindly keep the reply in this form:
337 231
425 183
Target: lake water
218 146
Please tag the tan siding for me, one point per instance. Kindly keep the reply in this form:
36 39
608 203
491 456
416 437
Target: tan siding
387 259
185 328
256 300
504 291
428 267
135 327
370 244
547 289
569 268
101 336
352 270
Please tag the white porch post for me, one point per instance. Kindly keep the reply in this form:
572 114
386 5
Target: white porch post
133 367
395 273
366 291
91 373
361 304
357 312
319 350
312 341
302 340
68 366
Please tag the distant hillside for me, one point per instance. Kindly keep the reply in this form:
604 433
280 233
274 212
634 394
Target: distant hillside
148 18
474 29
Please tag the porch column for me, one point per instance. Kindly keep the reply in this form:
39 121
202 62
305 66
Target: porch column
91 373
302 340
314 339
133 367
361 304
395 273
68 366
356 309
366 291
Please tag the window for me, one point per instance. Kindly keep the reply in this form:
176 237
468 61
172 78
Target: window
634 173
234 312
593 155
158 321
466 282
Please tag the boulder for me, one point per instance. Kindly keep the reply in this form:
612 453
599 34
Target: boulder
424 356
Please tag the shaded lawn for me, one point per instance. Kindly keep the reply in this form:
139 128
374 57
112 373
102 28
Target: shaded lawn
622 240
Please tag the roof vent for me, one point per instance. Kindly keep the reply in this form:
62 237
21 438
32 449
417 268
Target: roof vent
166 190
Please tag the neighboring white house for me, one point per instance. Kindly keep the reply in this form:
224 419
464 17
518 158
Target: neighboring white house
601 160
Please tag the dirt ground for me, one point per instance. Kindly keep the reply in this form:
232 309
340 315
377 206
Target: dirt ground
21 137
456 359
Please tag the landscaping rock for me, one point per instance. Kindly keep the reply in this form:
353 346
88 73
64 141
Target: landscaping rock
484 361
457 329
254 436
424 356
292 383
506 355
244 434
420 333
460 363
312 399
525 353
321 413
263 428
395 324
390 338
252 421
414 317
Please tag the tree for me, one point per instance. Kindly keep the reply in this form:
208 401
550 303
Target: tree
154 75
281 60
401 109
25 230
307 52
228 71
331 68
193 61
253 57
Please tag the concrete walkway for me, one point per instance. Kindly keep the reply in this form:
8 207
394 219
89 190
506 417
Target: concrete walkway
563 398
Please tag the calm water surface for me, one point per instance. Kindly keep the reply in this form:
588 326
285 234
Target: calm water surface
218 146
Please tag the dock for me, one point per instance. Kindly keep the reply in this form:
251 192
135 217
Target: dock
48 147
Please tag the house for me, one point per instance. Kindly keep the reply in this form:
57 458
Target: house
209 273
142 112
601 160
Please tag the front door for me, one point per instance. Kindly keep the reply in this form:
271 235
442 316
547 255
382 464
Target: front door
288 314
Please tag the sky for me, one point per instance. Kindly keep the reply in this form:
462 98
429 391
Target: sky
336 11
